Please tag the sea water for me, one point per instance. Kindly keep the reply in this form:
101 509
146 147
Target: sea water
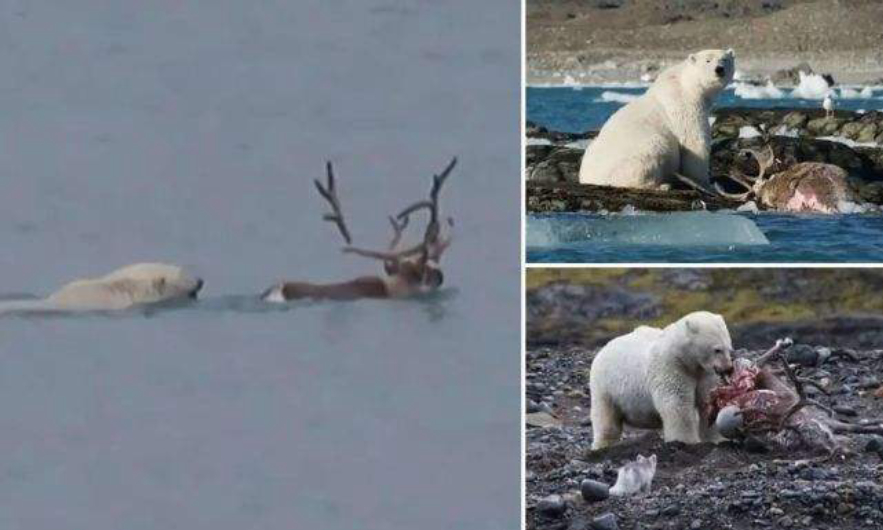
672 238
190 133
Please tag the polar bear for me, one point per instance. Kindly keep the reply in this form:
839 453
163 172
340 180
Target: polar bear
663 136
141 283
652 378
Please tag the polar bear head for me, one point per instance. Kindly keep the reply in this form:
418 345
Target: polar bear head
711 70
705 343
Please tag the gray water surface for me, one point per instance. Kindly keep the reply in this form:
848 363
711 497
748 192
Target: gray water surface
189 132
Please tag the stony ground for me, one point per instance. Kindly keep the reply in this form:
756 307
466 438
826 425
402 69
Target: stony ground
739 486
620 40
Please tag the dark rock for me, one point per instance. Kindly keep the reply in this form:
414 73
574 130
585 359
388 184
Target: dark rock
845 410
790 76
552 506
593 491
671 509
559 165
875 445
803 355
606 521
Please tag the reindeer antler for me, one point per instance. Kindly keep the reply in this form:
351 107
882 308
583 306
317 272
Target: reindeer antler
329 193
764 163
433 245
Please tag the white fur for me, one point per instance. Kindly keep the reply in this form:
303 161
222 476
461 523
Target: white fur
663 132
141 283
635 477
274 295
652 378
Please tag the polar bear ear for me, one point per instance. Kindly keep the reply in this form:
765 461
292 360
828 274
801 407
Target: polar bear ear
652 459
730 52
692 327
692 57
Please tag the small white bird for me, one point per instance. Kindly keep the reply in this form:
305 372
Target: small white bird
635 477
828 105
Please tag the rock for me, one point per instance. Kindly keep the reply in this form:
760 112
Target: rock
875 445
605 521
532 406
542 419
593 491
795 120
879 392
559 165
790 76
845 410
552 506
671 509
803 355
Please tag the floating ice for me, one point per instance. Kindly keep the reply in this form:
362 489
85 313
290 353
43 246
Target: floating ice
538 141
618 97
675 229
811 86
768 91
851 93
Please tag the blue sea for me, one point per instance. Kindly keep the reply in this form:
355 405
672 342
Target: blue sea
190 132
615 238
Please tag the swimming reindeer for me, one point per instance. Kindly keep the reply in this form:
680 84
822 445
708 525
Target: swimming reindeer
802 187
408 271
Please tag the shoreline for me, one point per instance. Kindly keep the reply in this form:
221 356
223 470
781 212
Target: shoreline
608 67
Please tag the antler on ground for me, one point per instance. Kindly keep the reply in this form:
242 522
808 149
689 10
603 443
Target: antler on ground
329 193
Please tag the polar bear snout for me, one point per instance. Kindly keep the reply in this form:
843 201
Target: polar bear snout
720 71
723 362
198 287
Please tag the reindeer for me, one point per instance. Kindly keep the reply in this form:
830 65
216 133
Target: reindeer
408 271
801 187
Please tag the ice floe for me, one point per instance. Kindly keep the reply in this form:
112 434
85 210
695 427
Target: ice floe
675 229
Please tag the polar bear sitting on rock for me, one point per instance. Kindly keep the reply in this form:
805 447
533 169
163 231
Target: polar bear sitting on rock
141 283
652 378
663 136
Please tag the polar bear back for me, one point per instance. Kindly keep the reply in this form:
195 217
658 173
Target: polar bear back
619 376
141 283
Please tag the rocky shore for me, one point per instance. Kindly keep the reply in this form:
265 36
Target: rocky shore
850 140
730 485
832 314
609 41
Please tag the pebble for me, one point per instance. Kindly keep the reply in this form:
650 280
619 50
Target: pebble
552 506
803 355
593 490
845 410
671 509
606 521
875 445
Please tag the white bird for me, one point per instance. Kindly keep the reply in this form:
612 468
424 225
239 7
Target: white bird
828 105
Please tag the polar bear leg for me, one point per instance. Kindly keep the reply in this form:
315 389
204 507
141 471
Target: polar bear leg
694 166
606 422
680 420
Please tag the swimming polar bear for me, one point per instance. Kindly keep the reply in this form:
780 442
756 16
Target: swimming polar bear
141 283
652 378
663 136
